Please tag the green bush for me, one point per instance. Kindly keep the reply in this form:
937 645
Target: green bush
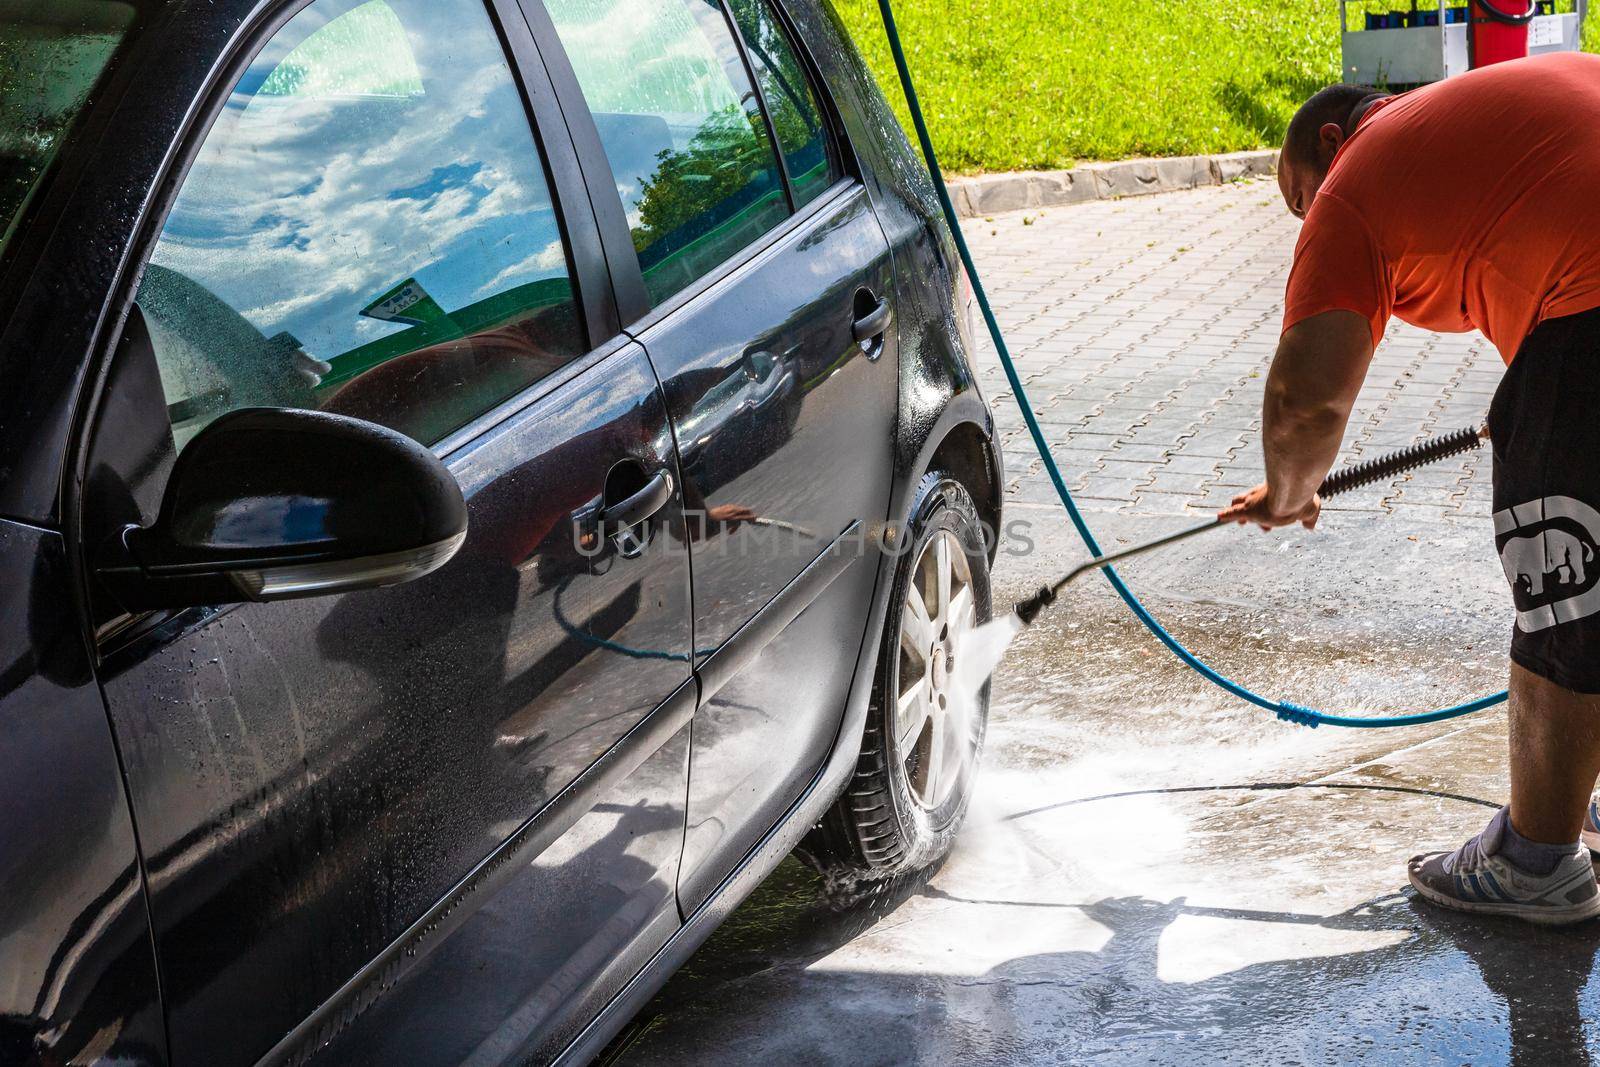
1024 84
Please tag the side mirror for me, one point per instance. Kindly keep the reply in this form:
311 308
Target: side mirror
268 504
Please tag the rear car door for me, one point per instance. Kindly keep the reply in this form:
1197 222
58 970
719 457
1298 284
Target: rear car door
428 823
749 264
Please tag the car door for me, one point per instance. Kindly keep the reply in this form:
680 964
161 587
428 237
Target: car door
427 823
757 277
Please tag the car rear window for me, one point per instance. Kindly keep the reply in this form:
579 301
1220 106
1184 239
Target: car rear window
682 128
51 56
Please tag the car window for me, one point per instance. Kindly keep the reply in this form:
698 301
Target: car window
51 55
682 128
791 101
367 229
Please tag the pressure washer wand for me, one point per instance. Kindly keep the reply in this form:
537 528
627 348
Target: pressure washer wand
1352 477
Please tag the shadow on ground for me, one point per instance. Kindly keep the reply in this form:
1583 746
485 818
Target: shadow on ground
786 981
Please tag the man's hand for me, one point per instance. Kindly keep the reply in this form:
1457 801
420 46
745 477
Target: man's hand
731 515
1256 505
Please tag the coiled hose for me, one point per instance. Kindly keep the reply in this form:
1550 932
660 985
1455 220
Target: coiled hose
1387 466
1283 709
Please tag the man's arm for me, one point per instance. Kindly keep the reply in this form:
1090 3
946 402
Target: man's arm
1311 388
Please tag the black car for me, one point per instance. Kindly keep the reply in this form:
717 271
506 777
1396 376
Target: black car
481 481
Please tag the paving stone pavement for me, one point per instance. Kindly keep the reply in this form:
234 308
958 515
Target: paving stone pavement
1143 329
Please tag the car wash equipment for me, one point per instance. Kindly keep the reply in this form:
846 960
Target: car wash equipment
1499 33
1438 39
1286 710
1376 470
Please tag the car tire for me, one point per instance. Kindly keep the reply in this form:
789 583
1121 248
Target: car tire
903 806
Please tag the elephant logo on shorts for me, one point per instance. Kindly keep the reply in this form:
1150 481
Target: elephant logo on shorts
1558 554
1547 549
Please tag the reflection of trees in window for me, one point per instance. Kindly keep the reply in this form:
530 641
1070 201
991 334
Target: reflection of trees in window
796 117
726 168
798 132
792 109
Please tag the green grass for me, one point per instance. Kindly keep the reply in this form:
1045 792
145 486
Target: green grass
1023 84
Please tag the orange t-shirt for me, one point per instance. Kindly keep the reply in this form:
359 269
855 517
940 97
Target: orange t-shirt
1472 202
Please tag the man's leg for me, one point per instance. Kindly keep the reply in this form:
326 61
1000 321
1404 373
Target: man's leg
1528 861
1555 757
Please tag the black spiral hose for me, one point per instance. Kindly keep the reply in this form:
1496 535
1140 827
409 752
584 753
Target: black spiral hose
1385 467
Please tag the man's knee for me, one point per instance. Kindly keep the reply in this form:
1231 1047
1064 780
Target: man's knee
1533 690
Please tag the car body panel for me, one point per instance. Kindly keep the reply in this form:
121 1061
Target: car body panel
77 972
938 403
935 369
762 731
571 925
770 446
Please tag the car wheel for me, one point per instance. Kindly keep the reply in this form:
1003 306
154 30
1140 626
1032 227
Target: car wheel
919 753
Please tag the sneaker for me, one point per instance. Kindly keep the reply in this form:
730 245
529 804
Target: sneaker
1591 828
1473 878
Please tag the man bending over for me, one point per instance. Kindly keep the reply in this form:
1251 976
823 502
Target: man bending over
1473 203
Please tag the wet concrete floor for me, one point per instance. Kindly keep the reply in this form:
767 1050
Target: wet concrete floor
1154 872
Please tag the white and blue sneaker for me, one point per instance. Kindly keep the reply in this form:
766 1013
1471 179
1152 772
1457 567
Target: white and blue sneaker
1591 828
1473 878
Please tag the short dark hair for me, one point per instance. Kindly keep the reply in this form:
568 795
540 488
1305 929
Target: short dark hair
1336 103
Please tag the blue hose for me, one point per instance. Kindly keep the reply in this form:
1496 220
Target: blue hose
1283 709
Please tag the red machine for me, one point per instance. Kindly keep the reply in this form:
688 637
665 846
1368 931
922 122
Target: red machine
1497 34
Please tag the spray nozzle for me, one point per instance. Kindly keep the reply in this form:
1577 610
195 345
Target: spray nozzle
1029 609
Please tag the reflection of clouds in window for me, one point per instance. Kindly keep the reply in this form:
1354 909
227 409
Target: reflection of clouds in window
309 202
671 66
366 230
548 261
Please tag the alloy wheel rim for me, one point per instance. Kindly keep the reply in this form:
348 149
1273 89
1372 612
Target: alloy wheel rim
933 732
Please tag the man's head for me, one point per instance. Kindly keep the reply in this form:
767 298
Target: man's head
1315 133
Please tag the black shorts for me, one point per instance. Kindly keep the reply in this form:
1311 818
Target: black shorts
1545 428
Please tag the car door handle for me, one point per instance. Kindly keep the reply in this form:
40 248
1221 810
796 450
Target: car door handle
637 507
874 323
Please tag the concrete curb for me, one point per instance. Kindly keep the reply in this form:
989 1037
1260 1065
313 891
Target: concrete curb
991 193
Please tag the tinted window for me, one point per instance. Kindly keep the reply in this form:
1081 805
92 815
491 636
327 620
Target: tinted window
367 229
790 100
51 55
688 146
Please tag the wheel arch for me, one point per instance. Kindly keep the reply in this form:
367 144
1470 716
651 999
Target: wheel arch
960 440
967 452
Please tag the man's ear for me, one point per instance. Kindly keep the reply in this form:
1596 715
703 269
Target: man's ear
1329 138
